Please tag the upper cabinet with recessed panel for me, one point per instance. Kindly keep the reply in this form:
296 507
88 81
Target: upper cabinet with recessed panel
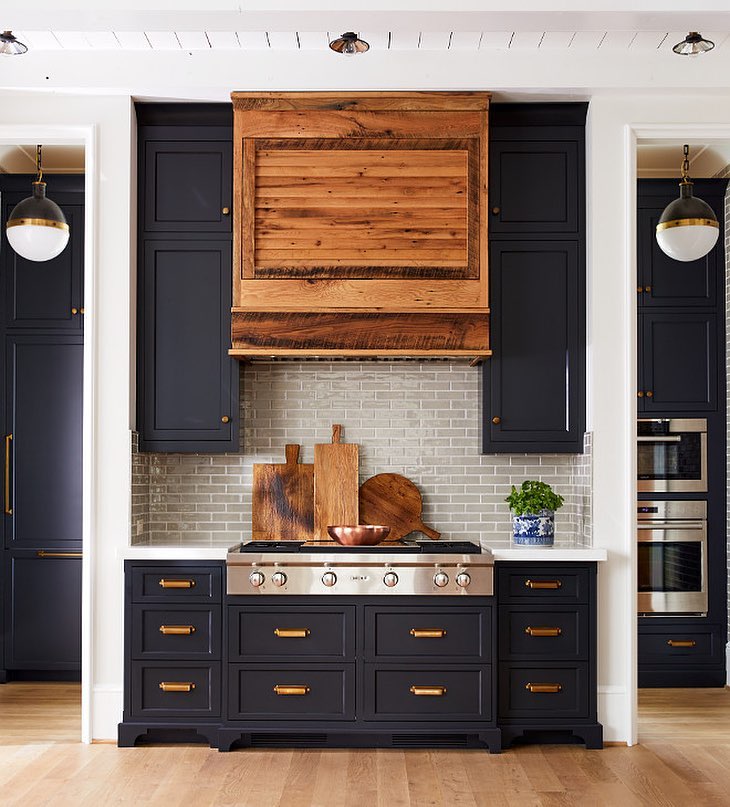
360 224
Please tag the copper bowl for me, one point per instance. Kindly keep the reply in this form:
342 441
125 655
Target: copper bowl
359 534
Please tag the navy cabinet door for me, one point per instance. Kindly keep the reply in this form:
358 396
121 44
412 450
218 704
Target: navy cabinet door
189 390
43 436
45 294
533 383
42 611
678 362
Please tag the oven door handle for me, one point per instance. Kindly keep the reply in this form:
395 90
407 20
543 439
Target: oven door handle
668 525
669 438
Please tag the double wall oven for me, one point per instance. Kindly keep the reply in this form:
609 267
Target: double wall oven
672 455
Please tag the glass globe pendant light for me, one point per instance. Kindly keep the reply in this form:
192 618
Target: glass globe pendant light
349 44
37 229
688 228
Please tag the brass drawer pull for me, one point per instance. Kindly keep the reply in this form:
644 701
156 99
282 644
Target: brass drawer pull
530 631
177 630
177 686
41 553
681 642
547 689
432 691
427 633
8 503
551 584
177 583
292 689
292 633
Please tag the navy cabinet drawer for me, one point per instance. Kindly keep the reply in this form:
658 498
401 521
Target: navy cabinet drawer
433 692
287 632
177 632
538 691
176 584
191 689
693 646
560 633
544 583
462 634
291 691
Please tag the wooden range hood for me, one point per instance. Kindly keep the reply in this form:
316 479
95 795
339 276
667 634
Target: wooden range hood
360 225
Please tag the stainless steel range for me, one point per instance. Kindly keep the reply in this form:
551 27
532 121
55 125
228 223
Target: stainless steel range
399 568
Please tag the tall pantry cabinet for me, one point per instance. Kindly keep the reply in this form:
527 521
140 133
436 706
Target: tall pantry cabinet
41 318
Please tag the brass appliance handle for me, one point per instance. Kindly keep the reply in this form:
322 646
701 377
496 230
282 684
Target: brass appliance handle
547 584
177 583
548 689
8 503
292 633
177 686
292 689
530 631
427 633
434 691
177 630
681 642
41 553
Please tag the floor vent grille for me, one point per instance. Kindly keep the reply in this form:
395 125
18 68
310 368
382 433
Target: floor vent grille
437 740
288 739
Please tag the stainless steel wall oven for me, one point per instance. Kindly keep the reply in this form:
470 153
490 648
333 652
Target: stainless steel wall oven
672 455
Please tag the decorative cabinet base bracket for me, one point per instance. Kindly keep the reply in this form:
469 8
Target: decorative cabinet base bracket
591 735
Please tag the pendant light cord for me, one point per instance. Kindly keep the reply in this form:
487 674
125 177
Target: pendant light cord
685 166
39 170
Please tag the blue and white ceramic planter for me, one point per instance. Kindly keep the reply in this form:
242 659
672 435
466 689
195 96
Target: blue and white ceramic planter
534 529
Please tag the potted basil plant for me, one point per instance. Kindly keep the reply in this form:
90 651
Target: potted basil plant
533 509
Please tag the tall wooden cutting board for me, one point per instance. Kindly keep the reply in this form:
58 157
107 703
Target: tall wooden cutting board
282 506
335 484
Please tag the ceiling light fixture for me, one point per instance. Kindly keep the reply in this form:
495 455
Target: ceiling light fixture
10 46
693 44
349 44
37 229
688 228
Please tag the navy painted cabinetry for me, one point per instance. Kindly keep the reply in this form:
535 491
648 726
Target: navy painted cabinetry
187 384
534 384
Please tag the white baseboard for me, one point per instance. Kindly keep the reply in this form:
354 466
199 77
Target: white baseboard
106 712
614 714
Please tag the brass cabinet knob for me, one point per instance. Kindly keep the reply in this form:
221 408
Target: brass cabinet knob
496 211
647 289
225 419
226 211
74 311
639 394
496 420
639 289
649 394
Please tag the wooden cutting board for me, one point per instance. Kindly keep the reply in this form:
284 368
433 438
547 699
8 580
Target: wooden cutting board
395 501
335 484
282 507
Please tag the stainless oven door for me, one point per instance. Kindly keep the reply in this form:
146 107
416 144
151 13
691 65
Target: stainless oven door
672 567
672 455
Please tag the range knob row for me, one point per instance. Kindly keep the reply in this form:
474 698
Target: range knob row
257 578
441 579
329 579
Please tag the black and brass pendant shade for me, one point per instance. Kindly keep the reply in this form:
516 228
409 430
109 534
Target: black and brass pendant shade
10 46
688 228
349 44
693 44
37 229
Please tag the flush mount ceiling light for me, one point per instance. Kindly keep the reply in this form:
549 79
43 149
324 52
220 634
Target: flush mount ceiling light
10 46
349 44
688 228
693 44
37 229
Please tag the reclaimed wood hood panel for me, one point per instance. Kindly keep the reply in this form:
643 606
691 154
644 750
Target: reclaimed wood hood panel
356 204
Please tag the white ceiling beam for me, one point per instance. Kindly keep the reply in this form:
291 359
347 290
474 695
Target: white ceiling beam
526 40
587 40
434 40
648 40
404 40
71 40
466 40
39 40
163 40
313 40
132 40
378 40
283 40
223 40
557 40
253 40
617 40
492 40
102 40
193 40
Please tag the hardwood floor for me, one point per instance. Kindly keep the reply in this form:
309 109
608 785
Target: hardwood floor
683 759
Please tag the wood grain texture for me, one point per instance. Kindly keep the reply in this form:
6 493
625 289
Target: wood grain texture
282 504
360 331
336 468
404 101
395 501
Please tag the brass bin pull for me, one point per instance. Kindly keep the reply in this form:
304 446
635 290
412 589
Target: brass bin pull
177 686
547 689
41 553
8 503
436 691
177 583
292 633
428 633
292 689
530 631
551 584
177 630
681 642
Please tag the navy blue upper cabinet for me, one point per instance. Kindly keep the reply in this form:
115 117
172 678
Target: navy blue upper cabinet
534 384
187 383
45 294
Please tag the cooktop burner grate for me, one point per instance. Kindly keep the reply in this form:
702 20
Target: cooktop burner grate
431 547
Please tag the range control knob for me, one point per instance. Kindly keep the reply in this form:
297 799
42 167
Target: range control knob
463 579
256 579
441 579
390 579
329 579
278 578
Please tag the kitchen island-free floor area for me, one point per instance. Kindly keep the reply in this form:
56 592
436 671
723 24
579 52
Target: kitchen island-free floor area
684 758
